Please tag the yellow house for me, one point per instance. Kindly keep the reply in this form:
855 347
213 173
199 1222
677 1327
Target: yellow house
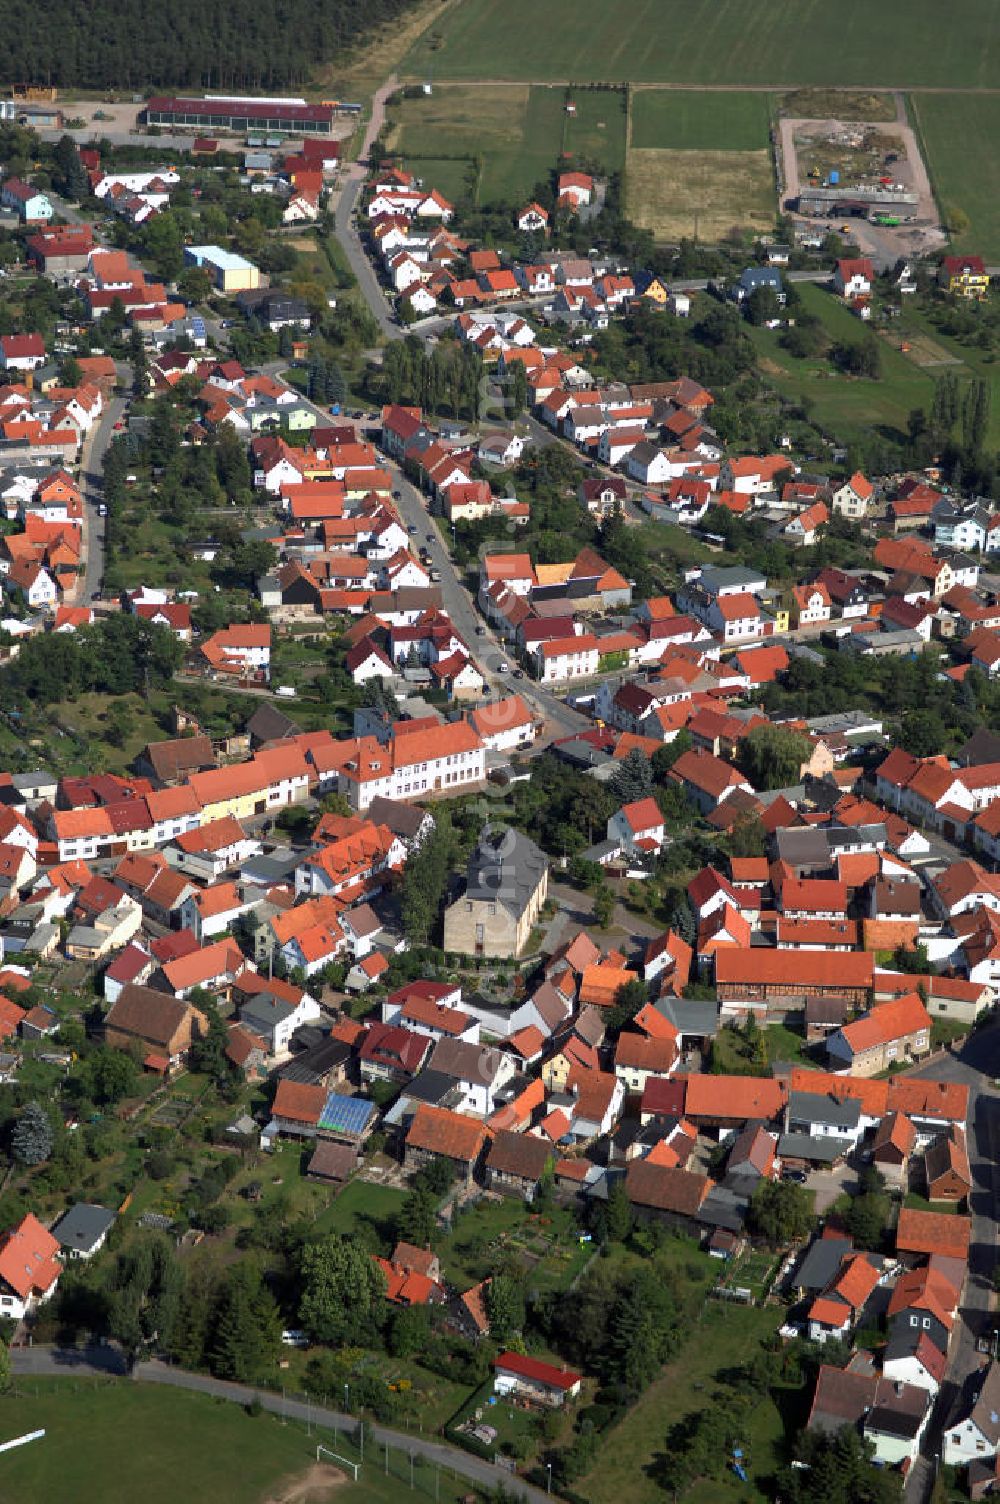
229 272
655 289
555 1071
965 277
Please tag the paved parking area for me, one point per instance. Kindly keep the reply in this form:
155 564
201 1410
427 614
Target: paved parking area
827 1185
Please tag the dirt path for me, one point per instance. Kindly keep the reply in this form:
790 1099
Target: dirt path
787 88
314 1486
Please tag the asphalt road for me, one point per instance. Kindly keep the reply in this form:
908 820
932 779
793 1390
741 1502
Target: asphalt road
29 1362
94 449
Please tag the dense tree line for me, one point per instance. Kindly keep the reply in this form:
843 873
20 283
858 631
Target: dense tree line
448 380
198 44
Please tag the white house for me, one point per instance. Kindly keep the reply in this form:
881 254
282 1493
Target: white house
22 352
852 499
533 219
977 1437
854 276
29 1268
480 1074
638 826
567 658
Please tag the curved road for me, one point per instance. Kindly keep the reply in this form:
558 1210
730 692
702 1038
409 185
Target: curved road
352 182
63 1362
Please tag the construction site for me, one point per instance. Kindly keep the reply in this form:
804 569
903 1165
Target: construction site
867 178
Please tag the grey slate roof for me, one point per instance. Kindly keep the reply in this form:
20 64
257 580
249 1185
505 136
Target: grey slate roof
821 1149
506 868
83 1226
822 1261
263 1013
690 1015
816 1107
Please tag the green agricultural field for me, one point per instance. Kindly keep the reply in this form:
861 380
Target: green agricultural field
112 1442
758 42
964 180
516 131
690 120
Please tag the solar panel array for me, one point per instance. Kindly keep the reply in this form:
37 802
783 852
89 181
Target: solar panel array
346 1114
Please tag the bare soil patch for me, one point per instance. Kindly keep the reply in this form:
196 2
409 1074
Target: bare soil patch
314 1486
845 104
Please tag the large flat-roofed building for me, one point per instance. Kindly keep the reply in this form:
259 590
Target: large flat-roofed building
229 272
291 116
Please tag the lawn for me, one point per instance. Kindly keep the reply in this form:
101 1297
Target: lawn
690 120
762 42
725 1335
963 180
516 131
111 1442
362 1201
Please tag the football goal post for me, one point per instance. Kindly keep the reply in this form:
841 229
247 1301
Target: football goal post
355 1467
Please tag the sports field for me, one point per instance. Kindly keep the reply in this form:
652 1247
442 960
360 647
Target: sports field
683 120
766 43
115 1442
965 176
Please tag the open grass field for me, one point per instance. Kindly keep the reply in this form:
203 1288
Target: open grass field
965 180
725 1335
846 406
699 194
849 406
112 1442
517 131
763 42
687 120
596 133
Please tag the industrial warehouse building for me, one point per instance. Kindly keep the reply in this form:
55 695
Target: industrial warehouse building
292 116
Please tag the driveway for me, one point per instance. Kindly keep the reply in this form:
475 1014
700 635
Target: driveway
827 1185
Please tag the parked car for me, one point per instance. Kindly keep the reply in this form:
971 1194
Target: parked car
504 667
